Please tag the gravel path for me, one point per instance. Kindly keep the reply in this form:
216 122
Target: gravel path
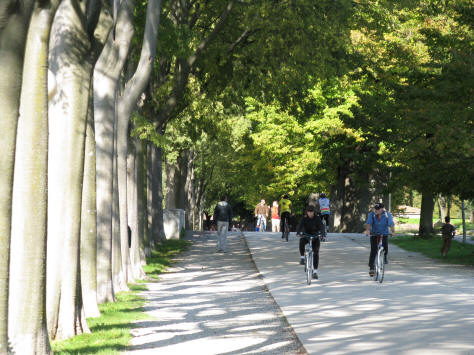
211 303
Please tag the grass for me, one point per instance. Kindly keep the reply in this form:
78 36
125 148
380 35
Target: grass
110 333
459 253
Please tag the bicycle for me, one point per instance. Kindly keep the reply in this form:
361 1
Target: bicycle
323 234
286 228
379 260
309 255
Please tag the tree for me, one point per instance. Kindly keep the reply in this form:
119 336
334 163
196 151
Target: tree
13 29
26 321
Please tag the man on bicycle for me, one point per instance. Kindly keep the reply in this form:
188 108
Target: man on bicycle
261 212
310 224
378 223
285 213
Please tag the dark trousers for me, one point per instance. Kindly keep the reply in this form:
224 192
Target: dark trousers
374 248
282 221
446 245
316 245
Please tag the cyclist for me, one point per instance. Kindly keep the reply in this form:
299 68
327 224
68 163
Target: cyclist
324 208
261 212
285 213
378 223
310 224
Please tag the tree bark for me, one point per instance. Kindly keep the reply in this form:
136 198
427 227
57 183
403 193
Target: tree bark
118 273
157 229
426 214
133 89
27 321
88 246
13 29
106 74
70 50
137 246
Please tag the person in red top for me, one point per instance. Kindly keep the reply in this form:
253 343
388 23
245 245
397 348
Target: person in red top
275 217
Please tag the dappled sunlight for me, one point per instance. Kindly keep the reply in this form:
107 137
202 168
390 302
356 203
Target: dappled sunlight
217 302
345 311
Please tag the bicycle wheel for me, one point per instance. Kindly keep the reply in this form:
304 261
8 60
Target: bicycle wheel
286 230
376 264
309 267
381 265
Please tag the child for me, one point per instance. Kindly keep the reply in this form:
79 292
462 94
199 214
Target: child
448 231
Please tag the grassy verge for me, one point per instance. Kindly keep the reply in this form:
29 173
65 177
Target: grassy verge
458 254
110 333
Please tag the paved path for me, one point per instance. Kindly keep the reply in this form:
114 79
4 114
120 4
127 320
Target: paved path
218 303
211 303
422 307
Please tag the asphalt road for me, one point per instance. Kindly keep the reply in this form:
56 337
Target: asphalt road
422 307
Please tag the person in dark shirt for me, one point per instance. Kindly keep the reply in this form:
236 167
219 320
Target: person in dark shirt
223 219
448 232
310 224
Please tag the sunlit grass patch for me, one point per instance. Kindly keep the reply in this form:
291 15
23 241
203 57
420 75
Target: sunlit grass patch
110 332
459 253
163 256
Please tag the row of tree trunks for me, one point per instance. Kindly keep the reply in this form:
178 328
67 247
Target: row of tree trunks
13 32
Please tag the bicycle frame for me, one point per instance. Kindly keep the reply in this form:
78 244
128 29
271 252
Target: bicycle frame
309 255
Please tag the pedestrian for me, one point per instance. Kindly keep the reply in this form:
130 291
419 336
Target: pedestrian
223 218
448 231
378 223
275 217
261 212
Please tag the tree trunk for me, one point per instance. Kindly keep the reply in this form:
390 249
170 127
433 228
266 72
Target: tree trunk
442 206
106 74
69 48
12 46
463 212
157 229
149 197
118 273
88 251
426 214
136 246
27 321
141 203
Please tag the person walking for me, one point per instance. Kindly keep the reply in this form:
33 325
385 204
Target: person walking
448 232
261 212
223 218
275 217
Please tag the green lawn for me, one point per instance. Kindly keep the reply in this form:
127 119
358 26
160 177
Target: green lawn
458 254
110 333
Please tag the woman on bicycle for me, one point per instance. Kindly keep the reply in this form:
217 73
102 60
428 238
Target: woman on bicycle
378 223
310 224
